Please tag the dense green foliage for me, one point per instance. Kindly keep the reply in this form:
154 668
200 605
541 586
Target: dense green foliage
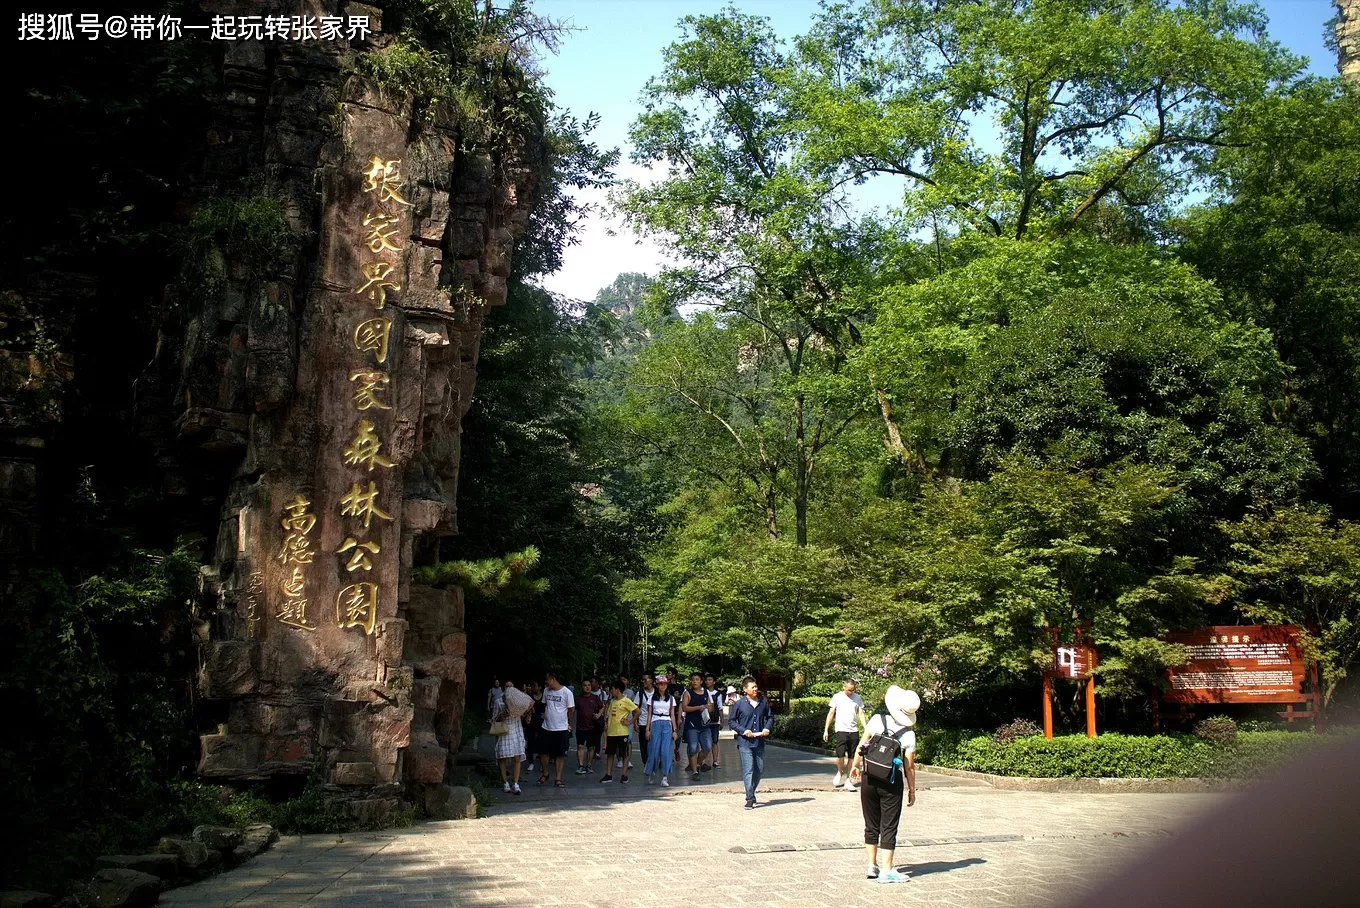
960 363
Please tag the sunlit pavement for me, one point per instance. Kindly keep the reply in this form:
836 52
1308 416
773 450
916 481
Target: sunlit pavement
615 845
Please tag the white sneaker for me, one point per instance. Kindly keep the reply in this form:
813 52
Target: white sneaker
665 782
618 764
516 788
850 786
836 782
505 787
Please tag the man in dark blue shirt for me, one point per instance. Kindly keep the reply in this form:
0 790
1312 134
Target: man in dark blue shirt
751 720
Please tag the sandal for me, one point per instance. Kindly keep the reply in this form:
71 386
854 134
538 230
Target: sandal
542 780
560 784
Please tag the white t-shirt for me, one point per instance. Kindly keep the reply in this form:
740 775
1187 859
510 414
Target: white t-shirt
885 725
661 708
847 708
556 703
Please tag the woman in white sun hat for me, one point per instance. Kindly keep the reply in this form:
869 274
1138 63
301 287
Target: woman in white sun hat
889 731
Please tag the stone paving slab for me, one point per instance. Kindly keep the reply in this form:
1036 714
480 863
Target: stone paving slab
964 846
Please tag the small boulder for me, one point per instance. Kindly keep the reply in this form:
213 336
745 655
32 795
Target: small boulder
26 898
194 857
257 838
218 838
124 889
165 866
449 802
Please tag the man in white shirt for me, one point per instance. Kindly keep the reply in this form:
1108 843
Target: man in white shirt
559 709
846 709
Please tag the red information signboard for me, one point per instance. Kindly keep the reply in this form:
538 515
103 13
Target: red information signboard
1252 664
1073 661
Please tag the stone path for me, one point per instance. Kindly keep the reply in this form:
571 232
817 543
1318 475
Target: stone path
617 846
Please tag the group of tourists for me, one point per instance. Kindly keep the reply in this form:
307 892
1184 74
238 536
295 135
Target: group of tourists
874 752
660 716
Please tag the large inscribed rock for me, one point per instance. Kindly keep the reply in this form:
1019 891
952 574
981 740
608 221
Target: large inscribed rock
339 384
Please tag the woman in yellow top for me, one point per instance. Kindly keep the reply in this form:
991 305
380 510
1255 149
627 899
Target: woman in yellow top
623 715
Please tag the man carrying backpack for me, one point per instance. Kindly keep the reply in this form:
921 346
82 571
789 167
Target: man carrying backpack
884 769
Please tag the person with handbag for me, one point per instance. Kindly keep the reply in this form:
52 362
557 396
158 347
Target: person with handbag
885 769
509 732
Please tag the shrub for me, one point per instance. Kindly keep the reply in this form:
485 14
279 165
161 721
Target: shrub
940 746
809 706
798 729
1016 728
1217 730
1114 756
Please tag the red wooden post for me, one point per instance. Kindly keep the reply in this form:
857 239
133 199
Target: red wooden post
1091 707
1156 712
1048 706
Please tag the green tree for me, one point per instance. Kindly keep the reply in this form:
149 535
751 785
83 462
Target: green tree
758 244
1092 104
1282 239
1293 565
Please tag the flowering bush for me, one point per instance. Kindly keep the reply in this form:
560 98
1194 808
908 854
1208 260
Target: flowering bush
1217 730
1019 728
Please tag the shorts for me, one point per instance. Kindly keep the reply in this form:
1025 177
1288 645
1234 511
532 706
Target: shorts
847 742
697 739
617 746
588 738
554 743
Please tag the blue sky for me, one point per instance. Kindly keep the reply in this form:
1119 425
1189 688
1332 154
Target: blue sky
603 66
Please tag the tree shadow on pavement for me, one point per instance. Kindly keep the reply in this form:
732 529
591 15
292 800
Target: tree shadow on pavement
929 867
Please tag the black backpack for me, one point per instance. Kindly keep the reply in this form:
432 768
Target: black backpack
883 755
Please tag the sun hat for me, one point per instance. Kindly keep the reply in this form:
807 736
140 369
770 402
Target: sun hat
517 702
731 689
660 678
902 705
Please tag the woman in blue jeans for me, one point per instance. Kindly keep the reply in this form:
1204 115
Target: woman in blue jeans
661 731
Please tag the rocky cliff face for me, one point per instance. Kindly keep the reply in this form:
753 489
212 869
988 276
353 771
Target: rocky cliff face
1348 39
330 383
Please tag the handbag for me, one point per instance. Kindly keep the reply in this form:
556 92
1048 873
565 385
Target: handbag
498 727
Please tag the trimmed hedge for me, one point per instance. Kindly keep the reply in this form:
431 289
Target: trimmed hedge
795 729
1114 756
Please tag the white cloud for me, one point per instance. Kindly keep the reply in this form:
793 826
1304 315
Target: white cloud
605 247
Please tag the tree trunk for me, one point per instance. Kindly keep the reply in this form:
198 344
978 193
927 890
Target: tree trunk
800 491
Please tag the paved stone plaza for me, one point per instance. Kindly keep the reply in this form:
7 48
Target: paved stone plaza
615 846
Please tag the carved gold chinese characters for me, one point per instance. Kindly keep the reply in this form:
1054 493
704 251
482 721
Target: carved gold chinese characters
359 560
357 606
297 550
361 504
381 228
254 589
384 178
371 384
364 448
371 337
377 284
